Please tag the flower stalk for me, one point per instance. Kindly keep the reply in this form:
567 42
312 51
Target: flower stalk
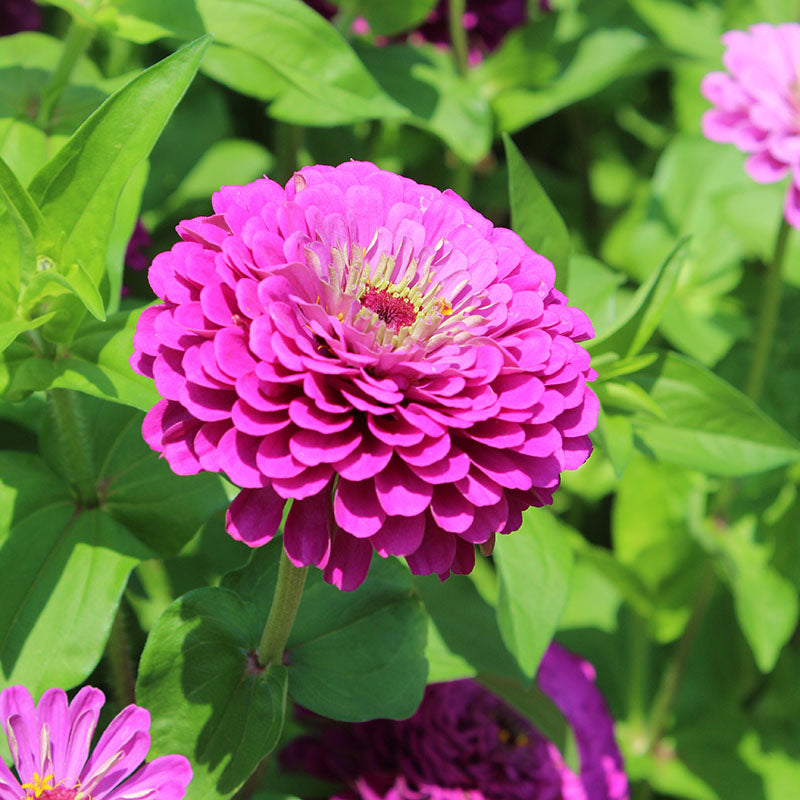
768 316
458 34
74 441
78 39
285 602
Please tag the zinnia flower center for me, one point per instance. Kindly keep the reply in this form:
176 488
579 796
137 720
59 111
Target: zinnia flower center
396 312
46 788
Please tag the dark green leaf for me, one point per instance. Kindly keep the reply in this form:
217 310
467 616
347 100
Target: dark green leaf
708 424
208 698
533 215
534 567
51 634
352 655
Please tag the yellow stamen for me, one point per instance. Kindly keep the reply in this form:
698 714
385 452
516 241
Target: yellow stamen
445 309
40 785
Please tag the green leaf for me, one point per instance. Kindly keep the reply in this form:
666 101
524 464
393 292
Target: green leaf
708 424
424 81
25 214
79 188
352 655
534 567
12 328
136 487
533 215
766 602
601 57
615 434
208 698
647 307
317 66
51 634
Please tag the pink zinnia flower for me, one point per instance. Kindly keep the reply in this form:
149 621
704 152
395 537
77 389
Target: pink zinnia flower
50 744
465 744
18 15
757 105
375 350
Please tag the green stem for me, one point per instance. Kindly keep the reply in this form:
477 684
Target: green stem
74 441
768 316
671 679
285 603
77 40
458 34
118 659
637 684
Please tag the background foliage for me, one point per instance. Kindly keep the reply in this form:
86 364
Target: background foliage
671 560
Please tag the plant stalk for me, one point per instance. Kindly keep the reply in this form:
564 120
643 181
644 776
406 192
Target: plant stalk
74 441
77 40
285 602
671 679
768 316
458 34
118 659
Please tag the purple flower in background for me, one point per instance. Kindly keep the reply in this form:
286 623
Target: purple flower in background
50 745
465 744
486 22
136 253
757 104
375 350
18 15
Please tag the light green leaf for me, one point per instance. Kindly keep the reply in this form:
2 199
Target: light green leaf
534 567
387 18
208 698
601 57
79 188
708 424
50 634
12 328
533 215
647 307
615 434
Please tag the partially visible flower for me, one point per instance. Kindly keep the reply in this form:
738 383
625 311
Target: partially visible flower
486 23
18 15
465 744
50 745
375 350
757 104
136 257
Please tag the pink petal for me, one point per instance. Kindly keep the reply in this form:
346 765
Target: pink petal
163 778
400 492
399 536
254 516
349 562
306 538
356 508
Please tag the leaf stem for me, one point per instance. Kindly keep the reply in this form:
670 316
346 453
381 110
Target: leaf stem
458 34
74 439
768 316
671 679
77 40
285 602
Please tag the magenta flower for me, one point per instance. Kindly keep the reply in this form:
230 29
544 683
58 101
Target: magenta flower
136 251
757 104
374 350
465 744
50 744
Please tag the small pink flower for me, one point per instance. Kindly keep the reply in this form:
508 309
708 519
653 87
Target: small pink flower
757 104
374 350
50 745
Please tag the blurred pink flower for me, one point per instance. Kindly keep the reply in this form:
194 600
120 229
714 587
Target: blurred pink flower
757 104
465 744
375 350
136 251
18 15
50 745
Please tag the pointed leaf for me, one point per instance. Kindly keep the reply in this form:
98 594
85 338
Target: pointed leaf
533 215
79 188
645 311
